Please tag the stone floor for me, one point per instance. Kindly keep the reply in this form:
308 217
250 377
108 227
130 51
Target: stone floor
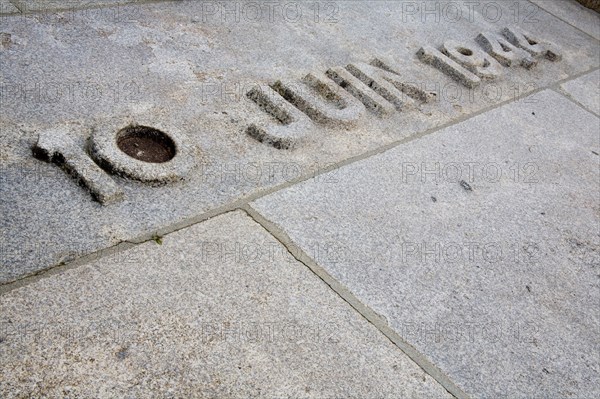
427 249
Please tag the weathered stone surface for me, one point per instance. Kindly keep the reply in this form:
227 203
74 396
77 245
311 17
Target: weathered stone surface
386 84
56 146
322 100
105 151
284 127
218 310
532 44
6 7
371 99
436 58
575 14
188 66
474 59
55 6
592 4
478 244
585 90
504 51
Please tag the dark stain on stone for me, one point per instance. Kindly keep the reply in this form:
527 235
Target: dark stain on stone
5 39
528 288
122 353
592 4
466 185
433 199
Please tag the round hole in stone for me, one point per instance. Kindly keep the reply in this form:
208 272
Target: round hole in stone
146 144
465 51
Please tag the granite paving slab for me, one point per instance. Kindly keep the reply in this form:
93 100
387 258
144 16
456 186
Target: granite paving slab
52 6
478 244
6 7
187 66
574 13
217 310
585 90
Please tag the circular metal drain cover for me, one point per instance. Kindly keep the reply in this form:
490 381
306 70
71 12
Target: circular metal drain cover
146 144
143 153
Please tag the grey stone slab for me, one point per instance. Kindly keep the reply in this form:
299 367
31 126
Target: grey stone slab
6 7
585 90
37 6
574 13
217 310
185 67
478 244
57 147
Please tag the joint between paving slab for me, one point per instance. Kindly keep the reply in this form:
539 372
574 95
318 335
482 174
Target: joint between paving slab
558 89
566 22
118 248
366 312
19 5
244 201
